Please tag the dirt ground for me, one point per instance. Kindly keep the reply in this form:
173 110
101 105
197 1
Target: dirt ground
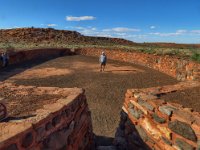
189 98
104 90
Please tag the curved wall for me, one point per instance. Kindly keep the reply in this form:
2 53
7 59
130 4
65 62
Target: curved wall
178 68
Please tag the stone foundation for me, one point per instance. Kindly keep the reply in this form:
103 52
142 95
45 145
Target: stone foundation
179 68
25 55
151 123
65 124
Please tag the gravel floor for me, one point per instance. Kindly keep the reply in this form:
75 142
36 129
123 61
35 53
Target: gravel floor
104 90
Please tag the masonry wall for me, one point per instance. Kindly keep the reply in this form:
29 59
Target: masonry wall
176 67
25 55
148 122
65 124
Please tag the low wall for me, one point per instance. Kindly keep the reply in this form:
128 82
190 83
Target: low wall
65 124
25 55
151 123
178 68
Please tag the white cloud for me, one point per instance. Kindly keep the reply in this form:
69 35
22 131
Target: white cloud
152 27
195 31
181 31
177 33
121 29
52 25
103 35
81 18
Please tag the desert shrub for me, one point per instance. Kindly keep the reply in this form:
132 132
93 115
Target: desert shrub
196 57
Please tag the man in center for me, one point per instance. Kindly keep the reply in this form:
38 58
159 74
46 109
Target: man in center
102 60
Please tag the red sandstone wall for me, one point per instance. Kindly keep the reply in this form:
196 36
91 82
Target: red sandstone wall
175 67
65 124
151 123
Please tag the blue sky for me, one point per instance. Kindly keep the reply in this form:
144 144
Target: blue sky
137 20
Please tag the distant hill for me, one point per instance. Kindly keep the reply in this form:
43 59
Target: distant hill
37 36
30 38
49 35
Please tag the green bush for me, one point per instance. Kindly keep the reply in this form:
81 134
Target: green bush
196 57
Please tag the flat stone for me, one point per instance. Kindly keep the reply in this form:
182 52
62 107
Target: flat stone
145 104
142 133
198 145
135 113
183 145
158 119
183 130
166 141
139 107
184 116
130 105
168 110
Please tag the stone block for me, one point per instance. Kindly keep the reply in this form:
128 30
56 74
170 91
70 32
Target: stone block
183 145
166 141
27 140
12 147
145 104
183 130
168 110
198 145
40 133
135 113
142 133
183 116
158 119
139 107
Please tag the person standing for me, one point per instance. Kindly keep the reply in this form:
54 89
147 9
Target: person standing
5 59
102 60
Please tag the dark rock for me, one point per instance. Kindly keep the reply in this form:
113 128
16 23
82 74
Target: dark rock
106 148
27 140
183 129
12 147
183 145
120 143
48 126
158 119
40 133
56 120
67 112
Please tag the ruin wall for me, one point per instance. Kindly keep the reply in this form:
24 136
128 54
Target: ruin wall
65 124
149 122
179 68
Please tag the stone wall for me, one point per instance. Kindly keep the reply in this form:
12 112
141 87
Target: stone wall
181 69
65 124
148 122
25 55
